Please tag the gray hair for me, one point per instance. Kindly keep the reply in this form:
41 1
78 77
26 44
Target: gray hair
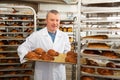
52 11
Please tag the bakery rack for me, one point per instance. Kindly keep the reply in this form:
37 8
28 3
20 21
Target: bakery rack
98 20
16 23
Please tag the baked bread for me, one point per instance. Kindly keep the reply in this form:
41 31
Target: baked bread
105 71
91 52
13 42
72 54
2 56
47 57
24 18
1 43
87 78
30 24
88 69
91 62
2 36
15 24
71 59
10 18
109 54
110 64
26 78
14 30
2 24
1 49
28 30
97 37
69 29
39 51
52 52
19 36
98 45
32 55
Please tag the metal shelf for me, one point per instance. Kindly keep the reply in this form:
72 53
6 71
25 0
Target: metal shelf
98 20
7 35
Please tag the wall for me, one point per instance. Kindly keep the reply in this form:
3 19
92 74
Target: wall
67 11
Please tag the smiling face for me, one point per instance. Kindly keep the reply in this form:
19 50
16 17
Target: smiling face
53 22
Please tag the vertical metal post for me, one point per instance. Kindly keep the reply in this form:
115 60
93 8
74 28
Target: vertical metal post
78 39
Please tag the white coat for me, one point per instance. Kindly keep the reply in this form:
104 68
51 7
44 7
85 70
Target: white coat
41 39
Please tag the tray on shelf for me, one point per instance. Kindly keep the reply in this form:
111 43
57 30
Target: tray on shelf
115 76
99 57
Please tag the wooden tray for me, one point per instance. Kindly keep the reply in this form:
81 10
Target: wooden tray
57 59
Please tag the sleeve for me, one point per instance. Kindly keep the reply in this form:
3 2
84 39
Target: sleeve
25 47
67 44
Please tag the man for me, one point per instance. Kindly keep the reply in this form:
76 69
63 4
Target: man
47 38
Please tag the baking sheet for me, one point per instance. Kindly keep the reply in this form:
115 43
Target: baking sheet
57 59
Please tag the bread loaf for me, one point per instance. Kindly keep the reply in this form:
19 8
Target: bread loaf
97 37
98 45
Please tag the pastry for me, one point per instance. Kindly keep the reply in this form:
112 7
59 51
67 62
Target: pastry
71 59
39 51
71 53
52 52
32 55
69 29
47 57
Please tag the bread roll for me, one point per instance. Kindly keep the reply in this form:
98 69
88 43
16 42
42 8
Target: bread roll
52 52
39 51
32 55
